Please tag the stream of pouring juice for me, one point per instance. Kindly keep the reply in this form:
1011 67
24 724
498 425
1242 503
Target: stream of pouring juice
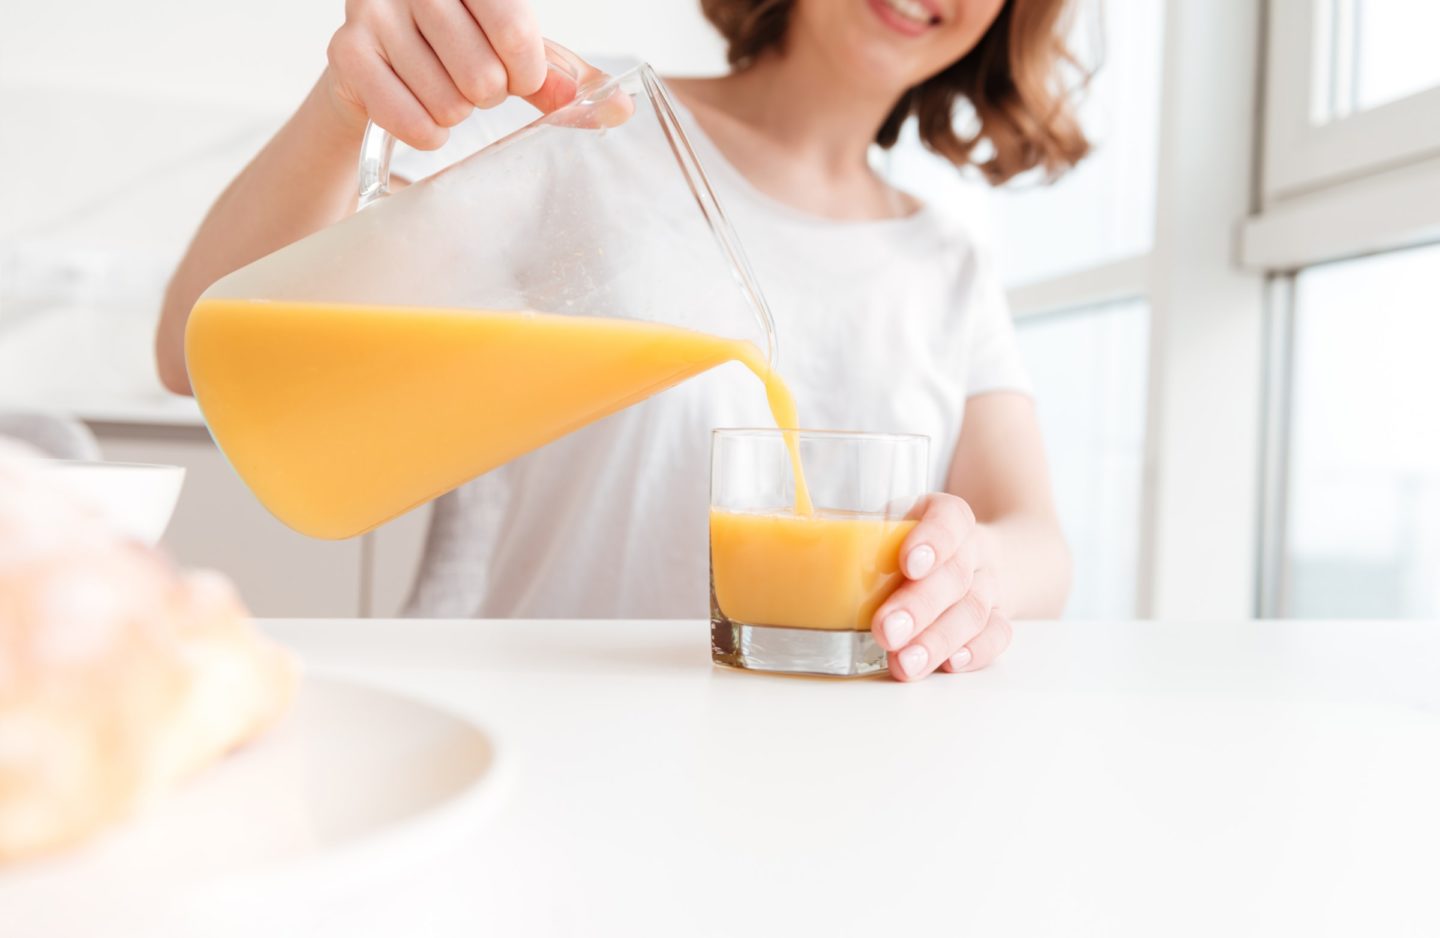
340 417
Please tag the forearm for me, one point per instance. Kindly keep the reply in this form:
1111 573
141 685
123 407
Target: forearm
1031 563
303 180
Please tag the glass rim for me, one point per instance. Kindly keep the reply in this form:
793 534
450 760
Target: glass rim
771 432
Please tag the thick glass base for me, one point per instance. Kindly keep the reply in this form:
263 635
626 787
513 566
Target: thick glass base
794 651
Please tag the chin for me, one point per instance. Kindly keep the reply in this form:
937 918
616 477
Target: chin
870 48
876 70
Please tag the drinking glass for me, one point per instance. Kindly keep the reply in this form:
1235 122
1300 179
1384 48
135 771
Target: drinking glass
793 592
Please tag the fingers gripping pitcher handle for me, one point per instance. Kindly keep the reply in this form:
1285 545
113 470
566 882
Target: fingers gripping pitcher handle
378 145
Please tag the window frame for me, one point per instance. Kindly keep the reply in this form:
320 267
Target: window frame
1078 295
1364 183
1302 155
1199 497
1272 582
1280 194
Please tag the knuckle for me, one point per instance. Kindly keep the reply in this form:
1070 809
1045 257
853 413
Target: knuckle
948 522
938 648
982 585
512 35
954 509
455 111
977 610
369 10
344 49
527 83
361 11
960 565
961 573
929 603
937 534
421 133
485 85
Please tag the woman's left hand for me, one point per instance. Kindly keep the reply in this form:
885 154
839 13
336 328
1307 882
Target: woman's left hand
944 614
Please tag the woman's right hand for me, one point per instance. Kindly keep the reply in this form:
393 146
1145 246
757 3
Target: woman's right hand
419 67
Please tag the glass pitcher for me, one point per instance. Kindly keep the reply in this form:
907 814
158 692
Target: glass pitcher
568 270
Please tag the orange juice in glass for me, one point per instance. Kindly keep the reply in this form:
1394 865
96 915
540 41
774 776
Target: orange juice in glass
793 590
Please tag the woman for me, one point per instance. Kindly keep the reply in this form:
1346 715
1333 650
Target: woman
891 316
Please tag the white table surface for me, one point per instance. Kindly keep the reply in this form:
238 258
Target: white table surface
1102 779
1105 779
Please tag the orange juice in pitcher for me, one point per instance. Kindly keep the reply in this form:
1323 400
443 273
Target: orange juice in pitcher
340 417
569 270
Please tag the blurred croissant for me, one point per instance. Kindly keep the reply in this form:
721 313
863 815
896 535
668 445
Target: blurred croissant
119 675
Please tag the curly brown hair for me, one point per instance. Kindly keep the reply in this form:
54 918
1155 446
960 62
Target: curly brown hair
1016 78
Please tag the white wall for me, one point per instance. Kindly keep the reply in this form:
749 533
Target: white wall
120 122
95 94
264 53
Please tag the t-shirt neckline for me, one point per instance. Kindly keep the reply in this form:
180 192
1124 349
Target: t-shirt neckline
715 162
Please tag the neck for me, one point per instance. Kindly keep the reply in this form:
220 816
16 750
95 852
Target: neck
806 104
799 127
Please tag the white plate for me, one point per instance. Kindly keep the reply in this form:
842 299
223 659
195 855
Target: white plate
136 499
353 785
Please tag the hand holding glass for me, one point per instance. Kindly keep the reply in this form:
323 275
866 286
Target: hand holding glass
795 592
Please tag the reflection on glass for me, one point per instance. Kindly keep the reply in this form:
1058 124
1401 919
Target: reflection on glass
1362 533
1089 370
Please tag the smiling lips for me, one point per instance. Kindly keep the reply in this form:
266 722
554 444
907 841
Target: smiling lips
911 17
912 10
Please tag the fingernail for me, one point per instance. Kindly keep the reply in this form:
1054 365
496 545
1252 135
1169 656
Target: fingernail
898 627
920 561
960 659
912 660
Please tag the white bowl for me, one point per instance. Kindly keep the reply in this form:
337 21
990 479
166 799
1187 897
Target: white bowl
135 498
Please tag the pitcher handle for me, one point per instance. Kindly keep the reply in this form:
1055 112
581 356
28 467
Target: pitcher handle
378 145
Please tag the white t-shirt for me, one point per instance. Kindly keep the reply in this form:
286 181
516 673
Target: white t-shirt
882 326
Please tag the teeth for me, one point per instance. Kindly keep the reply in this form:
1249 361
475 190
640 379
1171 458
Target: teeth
912 10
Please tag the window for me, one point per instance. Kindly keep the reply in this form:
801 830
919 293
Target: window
1076 251
1362 528
1105 210
1341 211
1353 87
1089 370
1102 212
1075 256
1373 52
1348 226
